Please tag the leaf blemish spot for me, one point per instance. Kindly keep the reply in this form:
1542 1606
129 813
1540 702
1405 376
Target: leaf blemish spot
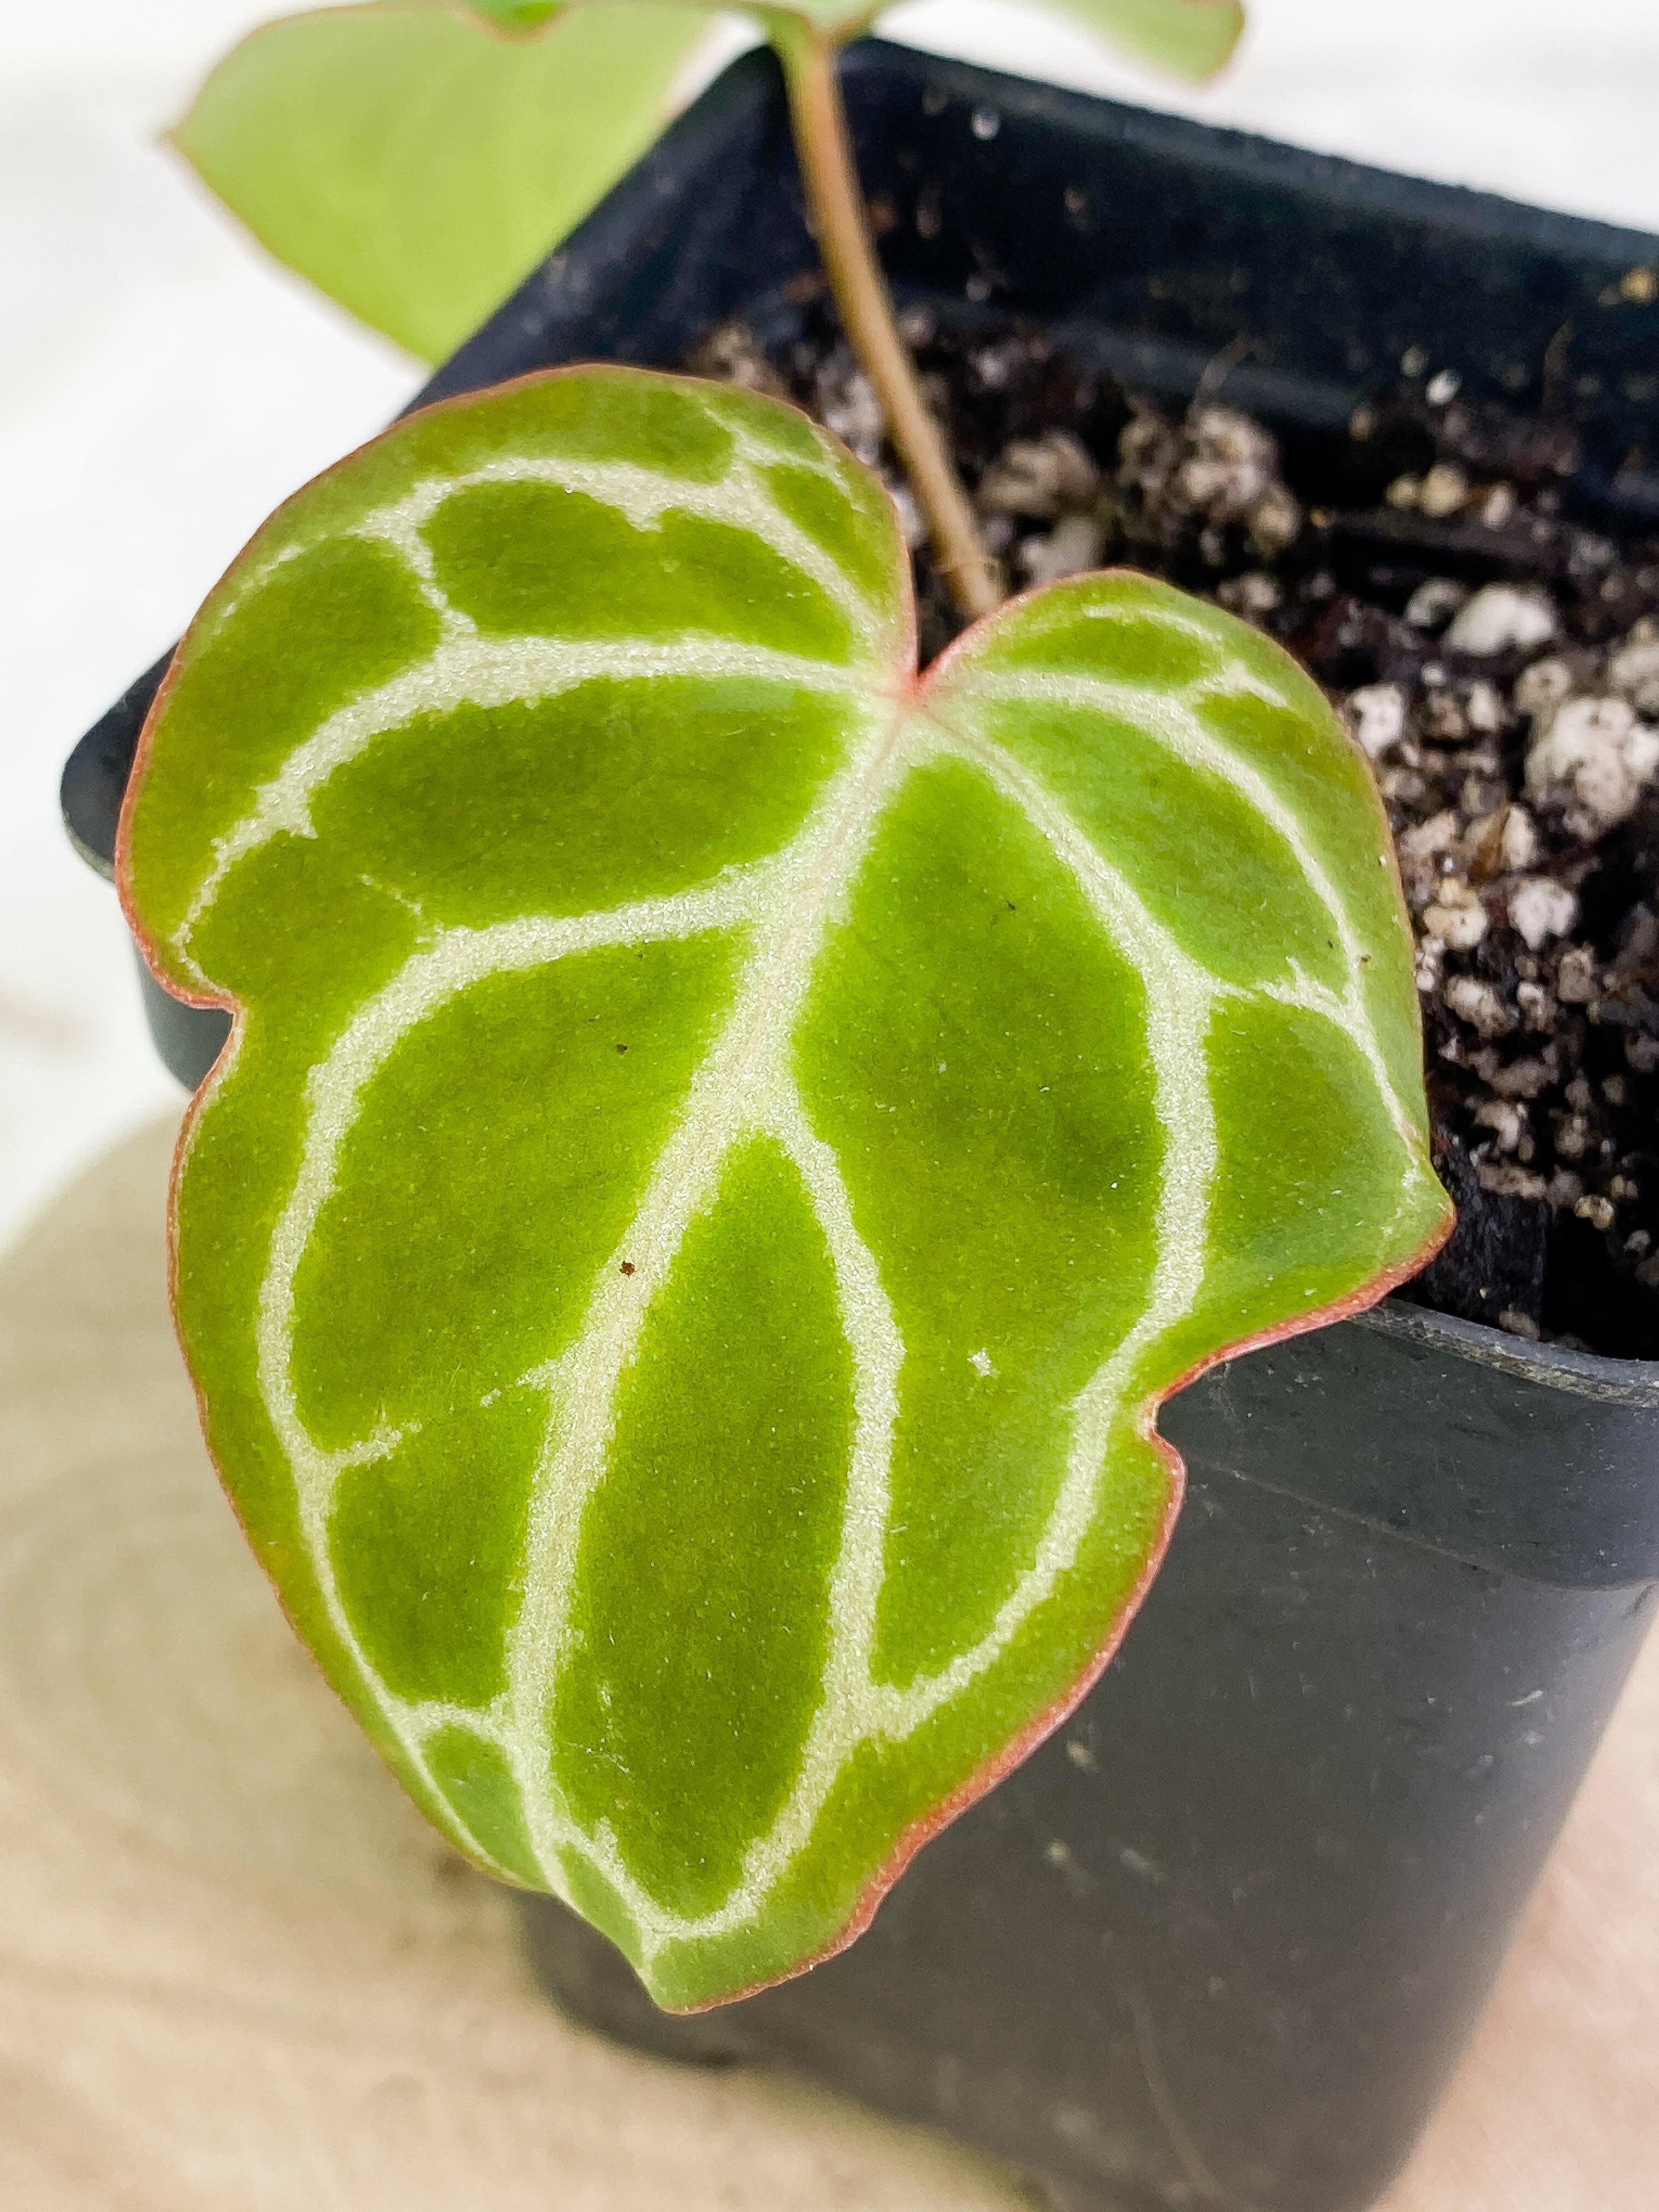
628 1266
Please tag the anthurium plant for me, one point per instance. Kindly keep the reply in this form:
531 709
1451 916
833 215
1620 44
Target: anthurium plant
726 1140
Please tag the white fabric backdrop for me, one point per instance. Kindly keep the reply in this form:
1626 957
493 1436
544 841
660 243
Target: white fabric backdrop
162 385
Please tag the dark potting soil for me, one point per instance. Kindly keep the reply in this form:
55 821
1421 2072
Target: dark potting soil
1496 656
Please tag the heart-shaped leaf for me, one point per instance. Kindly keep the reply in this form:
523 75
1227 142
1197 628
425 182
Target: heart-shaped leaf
415 162
726 1145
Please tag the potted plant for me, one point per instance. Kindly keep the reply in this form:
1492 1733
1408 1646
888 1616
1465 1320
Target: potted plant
1219 1939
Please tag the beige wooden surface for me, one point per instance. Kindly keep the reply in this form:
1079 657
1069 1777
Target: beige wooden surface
237 1972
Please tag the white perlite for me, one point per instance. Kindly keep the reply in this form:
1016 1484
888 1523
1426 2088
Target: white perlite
1485 708
1506 1180
1518 843
1541 689
1634 672
1479 1005
1456 916
1072 548
1424 840
1541 909
1501 617
1040 477
1506 1121
1377 715
1592 757
1435 602
1575 978
1444 490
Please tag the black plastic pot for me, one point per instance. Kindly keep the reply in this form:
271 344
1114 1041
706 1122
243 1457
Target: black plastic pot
1218 1942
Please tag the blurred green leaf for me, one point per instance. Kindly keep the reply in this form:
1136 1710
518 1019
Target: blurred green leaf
1192 38
415 164
416 159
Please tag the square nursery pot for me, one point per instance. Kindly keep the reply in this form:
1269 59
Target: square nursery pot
1220 1942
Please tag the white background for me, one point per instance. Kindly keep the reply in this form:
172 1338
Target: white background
162 385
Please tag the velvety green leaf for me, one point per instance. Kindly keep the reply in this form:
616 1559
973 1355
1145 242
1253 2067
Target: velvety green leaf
415 163
725 1146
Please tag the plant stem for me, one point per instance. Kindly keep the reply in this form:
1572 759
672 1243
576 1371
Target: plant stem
833 194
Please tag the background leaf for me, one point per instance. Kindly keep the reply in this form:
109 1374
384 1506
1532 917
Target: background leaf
416 159
1190 38
725 1148
416 165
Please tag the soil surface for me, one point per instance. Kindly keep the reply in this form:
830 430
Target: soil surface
1496 653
